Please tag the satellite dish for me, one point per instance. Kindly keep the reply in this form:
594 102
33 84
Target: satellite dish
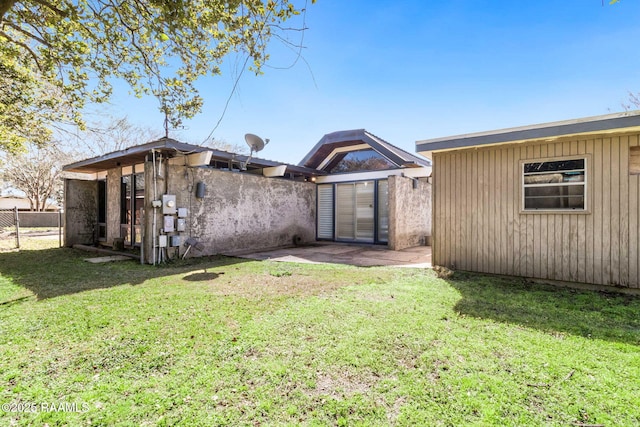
256 144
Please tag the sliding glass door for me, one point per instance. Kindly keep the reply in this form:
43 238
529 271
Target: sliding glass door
355 211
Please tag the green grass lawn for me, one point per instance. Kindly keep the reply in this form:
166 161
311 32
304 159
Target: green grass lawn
225 341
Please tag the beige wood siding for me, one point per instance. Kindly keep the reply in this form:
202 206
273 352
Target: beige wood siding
479 224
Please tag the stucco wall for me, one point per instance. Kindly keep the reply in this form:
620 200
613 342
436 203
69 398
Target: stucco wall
80 211
409 212
113 204
240 212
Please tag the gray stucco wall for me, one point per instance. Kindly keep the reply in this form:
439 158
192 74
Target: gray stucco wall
80 211
240 212
409 212
113 204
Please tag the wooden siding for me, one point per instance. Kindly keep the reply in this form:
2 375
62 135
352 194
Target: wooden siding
479 224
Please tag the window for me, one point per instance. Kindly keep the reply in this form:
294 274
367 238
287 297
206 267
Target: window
131 208
555 185
102 210
363 160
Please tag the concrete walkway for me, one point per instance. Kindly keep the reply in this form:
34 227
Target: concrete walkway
338 253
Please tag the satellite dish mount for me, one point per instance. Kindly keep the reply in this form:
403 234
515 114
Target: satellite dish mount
256 144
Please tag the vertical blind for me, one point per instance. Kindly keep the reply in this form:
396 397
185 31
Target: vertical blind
325 211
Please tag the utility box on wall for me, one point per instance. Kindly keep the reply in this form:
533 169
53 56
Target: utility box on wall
169 204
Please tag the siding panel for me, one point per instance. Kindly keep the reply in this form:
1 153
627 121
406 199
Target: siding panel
502 176
522 243
491 208
623 231
475 261
596 211
469 214
614 191
634 224
511 197
589 247
606 211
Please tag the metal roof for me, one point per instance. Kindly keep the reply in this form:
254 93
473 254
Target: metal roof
326 146
589 125
131 156
170 147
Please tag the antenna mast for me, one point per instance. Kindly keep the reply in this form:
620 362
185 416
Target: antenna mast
166 125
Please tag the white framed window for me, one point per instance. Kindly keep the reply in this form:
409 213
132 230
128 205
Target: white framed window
554 185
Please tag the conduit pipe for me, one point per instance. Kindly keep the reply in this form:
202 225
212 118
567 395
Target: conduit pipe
155 209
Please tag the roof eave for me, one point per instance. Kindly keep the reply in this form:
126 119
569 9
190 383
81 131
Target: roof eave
592 125
129 156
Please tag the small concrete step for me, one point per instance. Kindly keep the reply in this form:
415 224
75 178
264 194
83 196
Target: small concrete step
105 251
110 258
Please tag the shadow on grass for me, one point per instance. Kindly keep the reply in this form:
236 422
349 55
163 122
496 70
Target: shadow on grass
50 273
597 315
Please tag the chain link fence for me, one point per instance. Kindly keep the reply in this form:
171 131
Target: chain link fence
9 229
17 225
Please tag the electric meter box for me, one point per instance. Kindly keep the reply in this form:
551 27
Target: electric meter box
169 204
169 223
182 225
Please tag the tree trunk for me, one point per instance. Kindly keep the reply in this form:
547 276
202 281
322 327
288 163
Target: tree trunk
5 5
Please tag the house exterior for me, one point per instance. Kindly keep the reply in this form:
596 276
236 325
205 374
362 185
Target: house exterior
557 201
165 195
370 191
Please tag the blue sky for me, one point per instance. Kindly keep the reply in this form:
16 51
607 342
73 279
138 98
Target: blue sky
412 70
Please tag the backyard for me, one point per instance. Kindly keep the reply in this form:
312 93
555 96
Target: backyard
227 341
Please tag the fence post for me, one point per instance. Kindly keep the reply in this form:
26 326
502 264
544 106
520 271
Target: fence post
59 228
17 221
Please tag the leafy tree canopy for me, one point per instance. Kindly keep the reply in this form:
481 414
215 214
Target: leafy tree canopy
58 55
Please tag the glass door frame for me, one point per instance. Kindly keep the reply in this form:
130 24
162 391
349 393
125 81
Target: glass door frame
376 213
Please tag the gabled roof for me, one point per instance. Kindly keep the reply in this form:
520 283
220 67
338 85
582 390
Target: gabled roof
171 148
627 121
326 147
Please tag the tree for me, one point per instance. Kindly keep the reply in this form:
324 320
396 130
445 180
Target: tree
112 134
118 133
68 52
36 172
28 107
633 103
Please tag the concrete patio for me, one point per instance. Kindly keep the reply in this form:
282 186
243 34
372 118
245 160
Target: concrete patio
359 255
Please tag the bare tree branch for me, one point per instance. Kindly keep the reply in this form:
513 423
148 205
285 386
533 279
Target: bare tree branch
28 34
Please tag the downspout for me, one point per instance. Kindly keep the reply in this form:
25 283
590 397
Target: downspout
155 209
142 235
